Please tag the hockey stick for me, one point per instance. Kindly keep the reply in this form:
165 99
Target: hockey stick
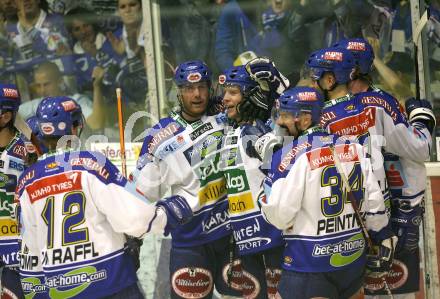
357 213
121 132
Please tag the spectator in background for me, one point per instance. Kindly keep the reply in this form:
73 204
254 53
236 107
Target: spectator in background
38 33
91 47
36 37
394 78
274 38
48 82
8 9
307 28
237 32
8 17
401 34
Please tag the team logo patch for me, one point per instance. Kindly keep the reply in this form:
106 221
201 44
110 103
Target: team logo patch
349 108
30 148
200 131
47 128
397 277
244 281
19 150
273 277
288 260
192 282
62 125
194 77
307 96
68 105
233 278
10 92
221 79
52 165
356 46
333 55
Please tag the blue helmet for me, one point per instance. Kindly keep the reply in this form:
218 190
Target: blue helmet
301 99
237 75
362 52
57 115
192 71
33 124
9 97
339 61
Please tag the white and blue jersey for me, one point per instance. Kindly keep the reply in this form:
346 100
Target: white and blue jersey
47 36
379 124
406 177
12 163
184 158
305 198
75 209
244 178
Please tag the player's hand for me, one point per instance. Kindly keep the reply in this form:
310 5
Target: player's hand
405 224
178 211
263 71
256 104
133 248
117 44
98 75
420 111
251 134
380 258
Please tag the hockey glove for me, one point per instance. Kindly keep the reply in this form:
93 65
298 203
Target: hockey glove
250 134
178 212
263 71
256 104
380 258
420 111
405 224
133 248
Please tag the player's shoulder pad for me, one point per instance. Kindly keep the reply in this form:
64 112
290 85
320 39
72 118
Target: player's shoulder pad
164 130
383 100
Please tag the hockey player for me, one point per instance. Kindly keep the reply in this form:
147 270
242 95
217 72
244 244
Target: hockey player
307 198
375 118
75 209
259 244
182 153
15 151
406 179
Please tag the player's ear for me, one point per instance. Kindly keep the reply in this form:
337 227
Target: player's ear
5 118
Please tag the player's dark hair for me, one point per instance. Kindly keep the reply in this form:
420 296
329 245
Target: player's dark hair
84 15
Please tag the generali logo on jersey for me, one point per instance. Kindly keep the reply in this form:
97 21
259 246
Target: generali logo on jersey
10 92
356 46
333 55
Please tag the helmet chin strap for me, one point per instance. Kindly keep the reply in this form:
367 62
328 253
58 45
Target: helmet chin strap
326 91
